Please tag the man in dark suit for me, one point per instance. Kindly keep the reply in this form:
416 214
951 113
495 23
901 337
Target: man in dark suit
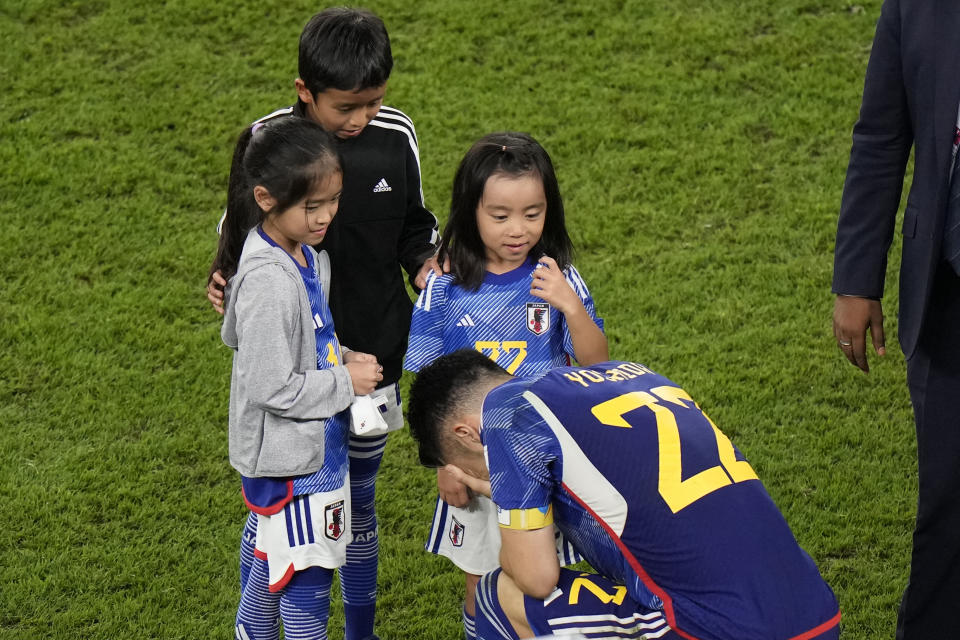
911 98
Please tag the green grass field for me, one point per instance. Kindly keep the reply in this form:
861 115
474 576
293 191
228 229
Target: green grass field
701 149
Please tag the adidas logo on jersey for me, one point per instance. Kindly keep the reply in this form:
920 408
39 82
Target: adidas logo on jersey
466 321
382 186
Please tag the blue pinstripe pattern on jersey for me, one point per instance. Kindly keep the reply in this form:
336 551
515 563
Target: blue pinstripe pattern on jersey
448 317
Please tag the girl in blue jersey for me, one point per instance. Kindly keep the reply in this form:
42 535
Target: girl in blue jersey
288 390
512 294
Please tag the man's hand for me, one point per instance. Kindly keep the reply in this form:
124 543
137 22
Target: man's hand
852 316
429 265
476 485
215 291
451 488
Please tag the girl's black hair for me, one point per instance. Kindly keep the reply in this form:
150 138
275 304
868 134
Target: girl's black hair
287 156
513 154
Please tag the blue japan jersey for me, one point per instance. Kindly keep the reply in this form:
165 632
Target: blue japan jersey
502 320
655 497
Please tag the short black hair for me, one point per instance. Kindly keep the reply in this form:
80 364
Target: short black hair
513 154
441 390
345 49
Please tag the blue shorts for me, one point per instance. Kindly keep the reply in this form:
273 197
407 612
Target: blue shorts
583 603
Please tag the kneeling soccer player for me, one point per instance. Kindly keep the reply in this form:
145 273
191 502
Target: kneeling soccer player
686 539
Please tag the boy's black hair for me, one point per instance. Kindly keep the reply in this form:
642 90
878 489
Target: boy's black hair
441 390
287 156
345 49
513 154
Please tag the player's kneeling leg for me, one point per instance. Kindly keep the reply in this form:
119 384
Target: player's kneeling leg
583 603
499 615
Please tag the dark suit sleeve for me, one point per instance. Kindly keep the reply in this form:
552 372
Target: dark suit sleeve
882 138
420 236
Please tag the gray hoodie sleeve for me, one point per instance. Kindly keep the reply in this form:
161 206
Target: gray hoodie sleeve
269 356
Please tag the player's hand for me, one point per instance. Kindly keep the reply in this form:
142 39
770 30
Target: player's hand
358 356
365 376
451 490
551 285
215 291
476 485
852 316
431 264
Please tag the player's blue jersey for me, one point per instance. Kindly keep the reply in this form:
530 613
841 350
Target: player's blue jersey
655 497
336 428
502 320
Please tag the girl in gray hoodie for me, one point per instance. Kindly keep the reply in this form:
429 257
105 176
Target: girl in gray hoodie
292 381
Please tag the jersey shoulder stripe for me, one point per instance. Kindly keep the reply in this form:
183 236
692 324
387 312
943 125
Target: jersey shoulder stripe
580 476
395 120
395 116
286 111
436 286
573 277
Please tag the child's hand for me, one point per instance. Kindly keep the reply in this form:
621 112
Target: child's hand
429 265
551 285
451 490
358 356
215 291
365 375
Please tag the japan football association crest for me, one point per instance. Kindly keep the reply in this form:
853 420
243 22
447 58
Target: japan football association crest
333 517
538 317
456 532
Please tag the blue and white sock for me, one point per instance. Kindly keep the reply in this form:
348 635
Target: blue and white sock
247 543
358 577
258 616
305 604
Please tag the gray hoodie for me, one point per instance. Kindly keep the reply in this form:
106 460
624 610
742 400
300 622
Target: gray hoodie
278 397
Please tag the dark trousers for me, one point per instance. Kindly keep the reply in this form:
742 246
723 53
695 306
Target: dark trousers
931 601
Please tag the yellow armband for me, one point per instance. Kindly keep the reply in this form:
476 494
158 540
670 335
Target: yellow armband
525 519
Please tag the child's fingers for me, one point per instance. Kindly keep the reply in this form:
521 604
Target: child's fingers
365 376
548 262
216 301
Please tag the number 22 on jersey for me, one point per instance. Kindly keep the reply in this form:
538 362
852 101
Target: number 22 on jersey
675 491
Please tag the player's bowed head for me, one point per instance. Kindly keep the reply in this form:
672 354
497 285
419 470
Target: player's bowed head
446 401
446 404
